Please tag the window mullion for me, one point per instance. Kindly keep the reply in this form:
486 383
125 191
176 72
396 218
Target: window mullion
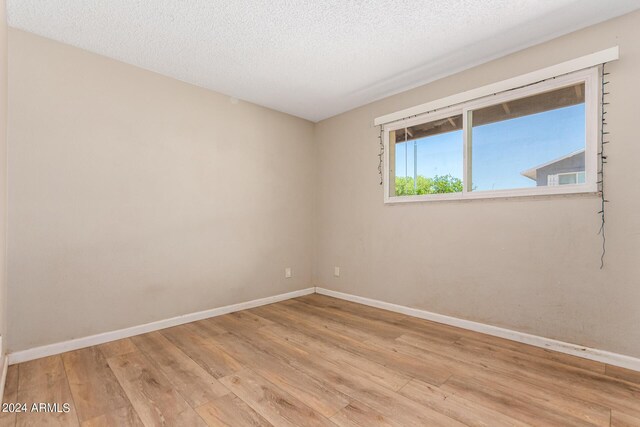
466 152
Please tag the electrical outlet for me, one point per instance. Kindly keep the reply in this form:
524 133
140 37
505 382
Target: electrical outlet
336 271
287 273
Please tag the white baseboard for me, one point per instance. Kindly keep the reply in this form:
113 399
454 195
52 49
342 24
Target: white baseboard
560 346
61 347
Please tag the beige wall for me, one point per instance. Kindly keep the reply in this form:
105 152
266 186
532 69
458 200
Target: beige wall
3 172
134 197
530 264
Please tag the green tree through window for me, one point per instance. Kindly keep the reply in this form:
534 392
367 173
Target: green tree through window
437 185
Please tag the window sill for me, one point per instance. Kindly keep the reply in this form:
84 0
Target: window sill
583 191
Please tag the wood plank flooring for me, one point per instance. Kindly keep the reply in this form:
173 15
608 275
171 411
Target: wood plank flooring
319 361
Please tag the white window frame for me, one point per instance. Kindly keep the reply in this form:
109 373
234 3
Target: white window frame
591 79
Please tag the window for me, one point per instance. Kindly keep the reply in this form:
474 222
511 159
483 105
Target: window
566 178
428 158
536 140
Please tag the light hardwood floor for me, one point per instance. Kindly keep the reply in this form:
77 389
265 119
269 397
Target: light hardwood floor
319 361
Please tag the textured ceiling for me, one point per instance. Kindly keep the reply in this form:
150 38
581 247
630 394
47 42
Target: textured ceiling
309 58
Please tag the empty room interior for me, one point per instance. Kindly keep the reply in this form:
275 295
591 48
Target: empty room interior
319 213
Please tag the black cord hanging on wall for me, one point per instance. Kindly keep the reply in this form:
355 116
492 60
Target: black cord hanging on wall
602 158
381 154
604 139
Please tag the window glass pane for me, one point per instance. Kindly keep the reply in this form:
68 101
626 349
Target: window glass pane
529 142
567 178
428 158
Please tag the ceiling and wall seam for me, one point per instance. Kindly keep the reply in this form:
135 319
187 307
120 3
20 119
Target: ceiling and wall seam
310 59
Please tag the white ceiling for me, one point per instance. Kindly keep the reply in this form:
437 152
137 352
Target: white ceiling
309 58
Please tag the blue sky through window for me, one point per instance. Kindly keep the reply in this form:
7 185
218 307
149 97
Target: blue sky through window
501 150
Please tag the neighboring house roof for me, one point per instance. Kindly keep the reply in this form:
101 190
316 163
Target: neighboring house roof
532 173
